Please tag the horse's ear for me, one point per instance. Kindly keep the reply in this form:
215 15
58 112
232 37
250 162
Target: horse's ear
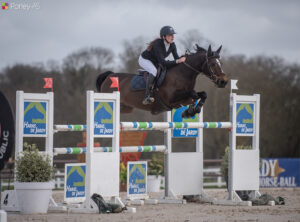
219 49
209 53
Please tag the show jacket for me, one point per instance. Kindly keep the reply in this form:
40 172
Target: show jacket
158 53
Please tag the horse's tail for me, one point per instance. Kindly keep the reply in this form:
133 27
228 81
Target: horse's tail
101 78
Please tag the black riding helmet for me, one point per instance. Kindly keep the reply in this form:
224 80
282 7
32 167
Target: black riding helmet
166 30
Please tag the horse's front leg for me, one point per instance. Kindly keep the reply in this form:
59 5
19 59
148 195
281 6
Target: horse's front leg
182 96
189 112
202 95
192 109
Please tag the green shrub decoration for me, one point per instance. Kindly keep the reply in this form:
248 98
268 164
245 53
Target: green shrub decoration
123 173
156 165
32 166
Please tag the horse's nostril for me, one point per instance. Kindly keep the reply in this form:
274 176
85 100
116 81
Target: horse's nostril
221 83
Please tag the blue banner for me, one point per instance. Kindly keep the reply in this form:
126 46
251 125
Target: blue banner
280 172
137 173
176 117
75 181
103 118
35 118
244 118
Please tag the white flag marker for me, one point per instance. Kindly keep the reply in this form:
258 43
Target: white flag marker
233 83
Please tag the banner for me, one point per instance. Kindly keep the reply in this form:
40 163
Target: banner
103 119
35 118
136 179
245 119
74 189
185 132
280 172
7 130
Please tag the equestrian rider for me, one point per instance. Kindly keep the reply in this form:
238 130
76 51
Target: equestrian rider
155 55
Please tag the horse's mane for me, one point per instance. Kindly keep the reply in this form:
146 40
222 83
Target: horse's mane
198 51
201 51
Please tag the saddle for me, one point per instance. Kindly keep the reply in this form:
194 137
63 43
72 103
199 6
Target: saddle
138 82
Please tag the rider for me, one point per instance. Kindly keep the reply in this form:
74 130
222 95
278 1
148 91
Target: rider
155 55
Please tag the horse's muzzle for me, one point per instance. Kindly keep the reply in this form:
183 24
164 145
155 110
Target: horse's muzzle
221 83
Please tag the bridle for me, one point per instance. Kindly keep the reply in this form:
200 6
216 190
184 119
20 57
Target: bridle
211 73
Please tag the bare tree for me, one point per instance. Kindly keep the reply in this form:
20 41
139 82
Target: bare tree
192 37
129 56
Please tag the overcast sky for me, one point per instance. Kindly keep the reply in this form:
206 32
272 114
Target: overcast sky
54 29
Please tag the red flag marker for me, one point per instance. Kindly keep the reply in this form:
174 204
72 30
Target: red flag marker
115 82
48 83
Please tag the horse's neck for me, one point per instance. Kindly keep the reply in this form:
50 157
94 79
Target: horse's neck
186 75
192 67
196 61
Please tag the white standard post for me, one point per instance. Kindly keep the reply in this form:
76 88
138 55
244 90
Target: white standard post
168 144
89 145
232 144
102 168
199 149
19 122
245 178
255 138
184 170
50 124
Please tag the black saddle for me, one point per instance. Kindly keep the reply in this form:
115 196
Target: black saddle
138 82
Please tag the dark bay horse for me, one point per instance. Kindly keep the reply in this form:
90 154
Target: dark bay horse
178 87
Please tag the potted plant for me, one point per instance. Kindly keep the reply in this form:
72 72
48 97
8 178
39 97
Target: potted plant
34 175
224 166
155 171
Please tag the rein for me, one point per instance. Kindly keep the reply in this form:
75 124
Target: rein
192 68
211 75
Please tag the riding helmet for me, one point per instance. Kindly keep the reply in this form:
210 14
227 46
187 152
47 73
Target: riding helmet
167 30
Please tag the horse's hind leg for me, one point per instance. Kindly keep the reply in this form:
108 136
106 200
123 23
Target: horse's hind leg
202 95
125 109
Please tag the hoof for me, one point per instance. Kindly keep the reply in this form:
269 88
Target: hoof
187 115
190 112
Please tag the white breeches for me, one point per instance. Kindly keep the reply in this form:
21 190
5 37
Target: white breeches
147 65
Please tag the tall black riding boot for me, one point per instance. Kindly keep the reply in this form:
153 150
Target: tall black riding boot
148 99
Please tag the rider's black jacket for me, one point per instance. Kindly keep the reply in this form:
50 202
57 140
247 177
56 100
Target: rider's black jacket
158 53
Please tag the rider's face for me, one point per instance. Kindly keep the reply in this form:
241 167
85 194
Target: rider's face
169 38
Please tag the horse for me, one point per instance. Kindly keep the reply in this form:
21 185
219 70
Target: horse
176 90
